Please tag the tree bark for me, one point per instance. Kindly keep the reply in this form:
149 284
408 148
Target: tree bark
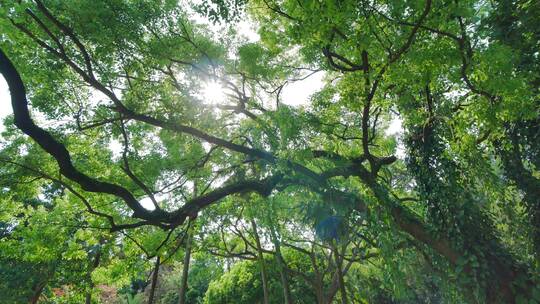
319 292
154 281
185 270
38 288
339 273
95 264
37 292
262 266
506 270
283 275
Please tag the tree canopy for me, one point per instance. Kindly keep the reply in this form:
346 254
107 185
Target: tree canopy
151 156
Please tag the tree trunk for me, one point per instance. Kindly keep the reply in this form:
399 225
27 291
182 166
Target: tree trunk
185 270
319 293
260 257
283 275
332 289
37 292
516 171
95 264
154 281
506 270
38 288
339 273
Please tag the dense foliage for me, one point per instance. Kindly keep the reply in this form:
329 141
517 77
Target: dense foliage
152 158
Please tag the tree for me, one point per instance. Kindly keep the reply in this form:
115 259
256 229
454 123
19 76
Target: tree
137 137
242 284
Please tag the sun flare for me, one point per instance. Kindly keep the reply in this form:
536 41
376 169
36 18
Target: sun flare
213 92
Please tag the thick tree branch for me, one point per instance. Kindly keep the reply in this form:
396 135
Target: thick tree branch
25 123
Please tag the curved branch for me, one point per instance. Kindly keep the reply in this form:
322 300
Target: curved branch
191 208
56 149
